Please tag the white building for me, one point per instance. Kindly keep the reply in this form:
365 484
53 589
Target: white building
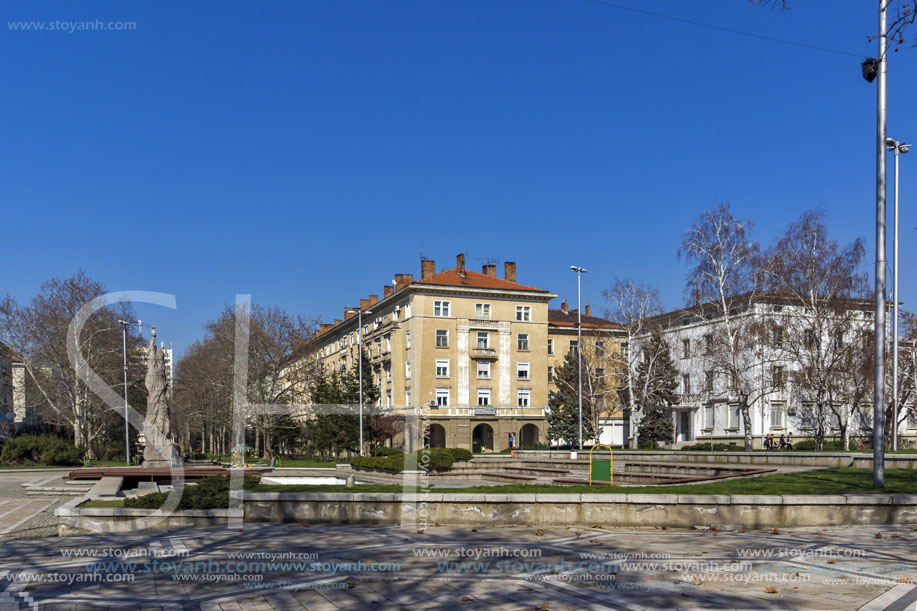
770 370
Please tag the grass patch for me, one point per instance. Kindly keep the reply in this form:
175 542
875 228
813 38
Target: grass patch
302 463
824 481
101 503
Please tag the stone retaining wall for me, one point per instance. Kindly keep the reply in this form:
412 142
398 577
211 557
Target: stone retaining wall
773 458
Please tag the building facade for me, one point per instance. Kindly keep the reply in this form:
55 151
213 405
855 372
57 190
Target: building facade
709 409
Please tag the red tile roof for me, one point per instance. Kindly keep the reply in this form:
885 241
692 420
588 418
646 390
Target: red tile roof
477 280
559 318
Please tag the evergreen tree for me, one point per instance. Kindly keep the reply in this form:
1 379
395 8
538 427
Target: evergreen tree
657 379
563 419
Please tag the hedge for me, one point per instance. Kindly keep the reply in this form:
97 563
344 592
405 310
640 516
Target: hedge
40 449
208 493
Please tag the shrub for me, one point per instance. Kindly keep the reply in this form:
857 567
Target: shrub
382 451
461 454
209 493
382 463
713 447
435 459
829 445
40 449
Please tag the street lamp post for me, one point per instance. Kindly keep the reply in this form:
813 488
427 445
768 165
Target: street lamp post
899 148
127 444
579 344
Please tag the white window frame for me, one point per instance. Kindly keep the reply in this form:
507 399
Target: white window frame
550 345
709 417
407 339
444 335
484 395
523 313
522 342
777 410
485 336
441 308
523 368
482 311
407 397
733 416
442 396
483 366
407 370
523 397
442 364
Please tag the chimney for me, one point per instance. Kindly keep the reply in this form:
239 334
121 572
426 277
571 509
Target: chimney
490 269
324 327
427 268
402 280
364 304
337 321
588 310
373 300
387 290
349 313
563 306
460 264
509 271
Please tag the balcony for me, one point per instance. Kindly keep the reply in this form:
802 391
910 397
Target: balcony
484 353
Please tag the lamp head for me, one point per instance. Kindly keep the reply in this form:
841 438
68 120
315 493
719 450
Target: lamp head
891 142
904 148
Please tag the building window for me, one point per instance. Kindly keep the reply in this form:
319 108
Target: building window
442 368
482 311
574 345
550 345
407 370
442 397
778 337
483 370
522 371
524 313
778 415
708 344
779 378
685 348
686 383
522 341
407 397
550 374
388 372
407 340
440 308
407 310
708 381
600 347
708 417
442 338
388 398
732 416
522 397
483 396
388 343
483 339
395 313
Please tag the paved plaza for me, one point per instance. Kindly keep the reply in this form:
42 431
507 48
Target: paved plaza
296 566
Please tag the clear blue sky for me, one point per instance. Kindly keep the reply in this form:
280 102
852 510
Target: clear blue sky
304 152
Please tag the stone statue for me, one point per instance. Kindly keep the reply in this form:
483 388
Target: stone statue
158 451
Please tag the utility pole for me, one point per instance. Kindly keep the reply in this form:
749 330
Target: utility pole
878 408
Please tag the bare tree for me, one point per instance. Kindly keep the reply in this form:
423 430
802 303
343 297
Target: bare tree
902 14
819 281
38 333
724 278
632 303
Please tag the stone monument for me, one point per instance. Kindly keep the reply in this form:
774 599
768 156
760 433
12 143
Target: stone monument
159 450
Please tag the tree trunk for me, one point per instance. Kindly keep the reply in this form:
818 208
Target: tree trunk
746 422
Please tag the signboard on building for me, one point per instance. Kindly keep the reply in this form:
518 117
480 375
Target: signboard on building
485 411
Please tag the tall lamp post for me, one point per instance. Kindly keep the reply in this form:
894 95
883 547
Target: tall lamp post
899 148
125 324
579 344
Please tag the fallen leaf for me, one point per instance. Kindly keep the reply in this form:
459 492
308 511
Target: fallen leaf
350 582
905 580
420 532
466 599
663 528
474 530
577 533
895 536
832 562
878 535
770 590
594 526
819 536
702 535
697 581
543 607
539 532
594 541
435 523
775 532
